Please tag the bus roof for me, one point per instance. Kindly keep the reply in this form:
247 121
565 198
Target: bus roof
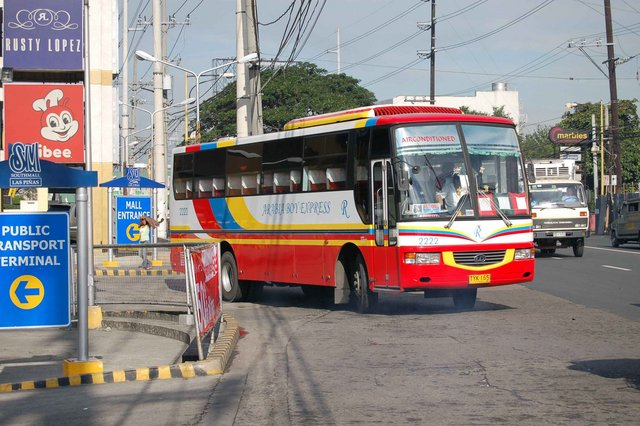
366 112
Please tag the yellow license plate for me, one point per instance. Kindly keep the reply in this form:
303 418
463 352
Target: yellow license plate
480 279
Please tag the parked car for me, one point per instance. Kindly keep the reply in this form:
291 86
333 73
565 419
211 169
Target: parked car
626 227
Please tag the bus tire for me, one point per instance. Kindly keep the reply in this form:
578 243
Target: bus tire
231 290
578 248
464 299
363 298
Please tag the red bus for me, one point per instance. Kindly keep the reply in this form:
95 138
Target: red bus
381 199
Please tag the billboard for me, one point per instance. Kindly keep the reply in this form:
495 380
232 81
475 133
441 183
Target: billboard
558 135
50 114
42 34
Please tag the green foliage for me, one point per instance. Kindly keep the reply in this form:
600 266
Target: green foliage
497 112
629 136
298 91
537 145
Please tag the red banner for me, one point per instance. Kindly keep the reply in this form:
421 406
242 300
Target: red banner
206 278
50 114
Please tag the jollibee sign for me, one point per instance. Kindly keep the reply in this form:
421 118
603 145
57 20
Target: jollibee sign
50 114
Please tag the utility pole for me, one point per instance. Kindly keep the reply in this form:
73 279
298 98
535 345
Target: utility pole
431 54
337 50
432 66
125 85
159 143
613 91
248 87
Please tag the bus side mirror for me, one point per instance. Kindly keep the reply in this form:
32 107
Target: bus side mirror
404 180
531 175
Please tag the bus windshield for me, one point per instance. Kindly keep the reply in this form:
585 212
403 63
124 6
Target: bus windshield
439 180
544 195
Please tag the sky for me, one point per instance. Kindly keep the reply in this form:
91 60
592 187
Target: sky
523 43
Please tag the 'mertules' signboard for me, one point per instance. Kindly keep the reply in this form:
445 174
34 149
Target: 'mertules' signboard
560 136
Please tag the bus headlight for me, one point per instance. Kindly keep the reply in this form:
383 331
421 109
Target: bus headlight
422 258
525 254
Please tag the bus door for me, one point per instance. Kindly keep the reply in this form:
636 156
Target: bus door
385 252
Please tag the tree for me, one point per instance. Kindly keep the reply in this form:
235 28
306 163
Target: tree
629 137
298 91
497 112
537 145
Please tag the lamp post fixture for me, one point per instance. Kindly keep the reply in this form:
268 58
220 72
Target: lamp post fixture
125 146
140 54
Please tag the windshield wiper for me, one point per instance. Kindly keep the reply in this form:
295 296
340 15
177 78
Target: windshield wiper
457 210
504 218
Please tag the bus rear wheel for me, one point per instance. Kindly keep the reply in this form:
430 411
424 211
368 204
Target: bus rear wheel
363 299
464 299
232 290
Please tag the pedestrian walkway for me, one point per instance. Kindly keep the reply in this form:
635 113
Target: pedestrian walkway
130 349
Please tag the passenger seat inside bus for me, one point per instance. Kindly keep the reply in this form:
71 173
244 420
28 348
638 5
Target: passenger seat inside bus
234 186
296 180
249 184
317 179
266 185
204 188
336 178
281 182
218 187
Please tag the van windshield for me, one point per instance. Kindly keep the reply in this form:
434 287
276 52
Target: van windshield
545 195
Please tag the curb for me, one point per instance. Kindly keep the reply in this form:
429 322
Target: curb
215 364
134 272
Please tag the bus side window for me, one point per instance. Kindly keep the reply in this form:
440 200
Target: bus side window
249 184
336 178
266 185
218 187
204 188
296 181
317 179
234 186
281 182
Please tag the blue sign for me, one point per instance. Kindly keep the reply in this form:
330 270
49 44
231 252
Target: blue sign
129 210
36 272
25 169
43 34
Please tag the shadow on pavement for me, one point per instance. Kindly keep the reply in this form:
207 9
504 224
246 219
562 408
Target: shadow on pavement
627 369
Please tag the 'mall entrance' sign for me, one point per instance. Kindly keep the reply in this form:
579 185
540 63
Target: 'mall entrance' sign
129 210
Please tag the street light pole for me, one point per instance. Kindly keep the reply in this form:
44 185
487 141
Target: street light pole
140 54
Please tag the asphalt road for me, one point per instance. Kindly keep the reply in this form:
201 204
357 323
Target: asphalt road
524 355
605 277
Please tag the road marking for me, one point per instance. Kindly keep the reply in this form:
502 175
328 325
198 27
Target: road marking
557 258
614 250
616 267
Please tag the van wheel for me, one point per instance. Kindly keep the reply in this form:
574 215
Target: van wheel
614 241
232 290
578 248
363 299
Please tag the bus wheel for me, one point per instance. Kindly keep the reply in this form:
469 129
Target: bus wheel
363 298
464 299
578 248
231 291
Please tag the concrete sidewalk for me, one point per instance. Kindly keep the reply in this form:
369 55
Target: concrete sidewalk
32 358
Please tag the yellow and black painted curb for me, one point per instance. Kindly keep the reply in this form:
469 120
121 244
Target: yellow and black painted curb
214 364
134 272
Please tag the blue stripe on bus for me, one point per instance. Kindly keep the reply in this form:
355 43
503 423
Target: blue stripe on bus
371 122
222 214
